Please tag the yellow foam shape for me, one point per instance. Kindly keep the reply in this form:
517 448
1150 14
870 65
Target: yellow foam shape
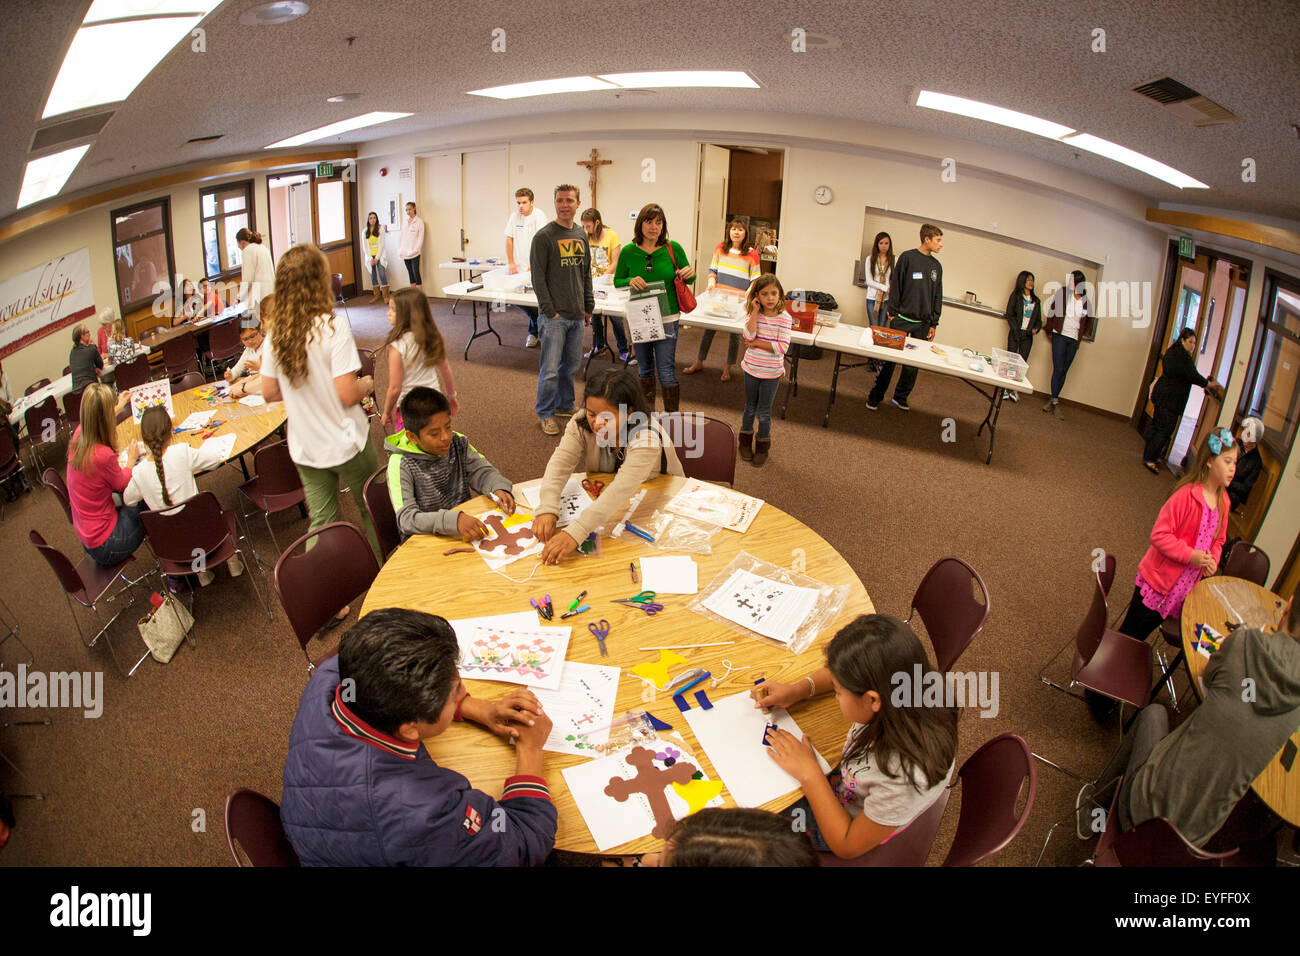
516 519
656 672
698 793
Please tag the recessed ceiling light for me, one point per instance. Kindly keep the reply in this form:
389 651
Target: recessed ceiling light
721 79
269 14
565 84
1134 160
46 176
342 97
991 114
335 129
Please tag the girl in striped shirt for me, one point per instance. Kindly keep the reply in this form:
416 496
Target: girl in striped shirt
735 265
767 332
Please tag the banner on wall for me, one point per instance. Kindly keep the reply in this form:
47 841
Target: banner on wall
43 300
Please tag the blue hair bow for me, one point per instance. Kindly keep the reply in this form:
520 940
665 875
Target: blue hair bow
1220 440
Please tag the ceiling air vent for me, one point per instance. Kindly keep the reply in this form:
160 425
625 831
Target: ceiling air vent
1185 103
204 139
81 128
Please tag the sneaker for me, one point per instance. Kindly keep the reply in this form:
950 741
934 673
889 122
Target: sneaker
531 342
623 357
591 353
1083 812
1047 405
175 585
206 578
871 406
1056 410
567 413
1014 397
550 426
901 403
236 566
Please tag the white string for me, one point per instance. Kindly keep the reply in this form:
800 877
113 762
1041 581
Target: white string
730 667
512 580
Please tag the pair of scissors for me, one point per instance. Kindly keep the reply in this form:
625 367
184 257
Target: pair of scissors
600 630
648 605
593 487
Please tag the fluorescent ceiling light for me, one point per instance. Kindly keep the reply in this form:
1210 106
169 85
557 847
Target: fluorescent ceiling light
566 84
334 129
732 79
991 114
102 10
45 177
1135 160
107 61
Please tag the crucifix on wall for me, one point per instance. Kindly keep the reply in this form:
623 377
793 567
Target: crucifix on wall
593 166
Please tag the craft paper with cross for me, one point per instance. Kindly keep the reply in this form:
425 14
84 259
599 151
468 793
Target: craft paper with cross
653 782
506 540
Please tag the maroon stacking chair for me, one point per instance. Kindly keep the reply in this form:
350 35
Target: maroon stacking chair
910 847
336 283
10 465
54 481
181 354
87 582
367 357
186 381
713 457
275 486
38 384
992 779
130 374
41 420
223 344
379 505
947 602
198 526
72 410
253 825
1154 842
315 585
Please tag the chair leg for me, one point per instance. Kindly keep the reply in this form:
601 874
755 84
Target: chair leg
1167 677
251 583
1093 799
18 770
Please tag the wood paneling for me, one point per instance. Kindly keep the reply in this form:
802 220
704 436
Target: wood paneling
754 186
1270 236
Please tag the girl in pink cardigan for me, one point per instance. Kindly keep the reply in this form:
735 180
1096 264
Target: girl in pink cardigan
1187 539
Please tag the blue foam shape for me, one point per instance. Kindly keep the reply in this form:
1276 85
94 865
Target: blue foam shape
658 724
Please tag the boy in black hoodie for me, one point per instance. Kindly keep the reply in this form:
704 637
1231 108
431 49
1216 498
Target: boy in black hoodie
915 301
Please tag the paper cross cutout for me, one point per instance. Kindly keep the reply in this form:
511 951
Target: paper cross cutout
653 782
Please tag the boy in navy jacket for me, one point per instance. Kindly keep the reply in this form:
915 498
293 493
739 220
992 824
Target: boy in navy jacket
360 789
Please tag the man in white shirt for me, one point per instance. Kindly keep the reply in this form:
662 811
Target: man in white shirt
520 229
412 245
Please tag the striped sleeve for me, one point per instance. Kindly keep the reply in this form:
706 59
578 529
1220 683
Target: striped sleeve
523 785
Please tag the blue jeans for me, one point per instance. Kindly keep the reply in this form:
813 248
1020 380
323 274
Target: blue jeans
532 318
871 309
561 354
598 332
760 393
127 535
658 359
1063 349
378 274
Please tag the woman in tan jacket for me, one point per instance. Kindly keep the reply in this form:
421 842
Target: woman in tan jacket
615 433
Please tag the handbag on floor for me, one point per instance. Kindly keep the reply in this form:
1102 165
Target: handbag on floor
165 627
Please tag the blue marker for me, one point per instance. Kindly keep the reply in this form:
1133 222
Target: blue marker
645 535
684 688
576 610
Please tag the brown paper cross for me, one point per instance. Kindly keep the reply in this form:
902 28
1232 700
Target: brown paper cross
653 782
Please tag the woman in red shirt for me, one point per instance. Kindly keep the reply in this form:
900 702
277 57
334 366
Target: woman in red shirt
109 531
1187 539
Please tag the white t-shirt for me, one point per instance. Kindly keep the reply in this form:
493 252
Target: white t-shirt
522 229
886 796
414 371
257 279
1073 317
180 462
239 368
322 433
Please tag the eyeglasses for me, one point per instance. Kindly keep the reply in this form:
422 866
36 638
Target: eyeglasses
1220 440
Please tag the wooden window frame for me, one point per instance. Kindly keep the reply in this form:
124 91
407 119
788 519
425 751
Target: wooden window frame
163 202
219 218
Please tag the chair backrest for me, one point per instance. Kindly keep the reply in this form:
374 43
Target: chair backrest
367 357
276 472
54 481
176 533
380 508
224 336
72 408
992 779
8 451
1106 574
39 417
130 374
953 614
705 446
67 370
1154 842
181 353
38 384
911 847
253 822
1088 637
336 282
1247 561
186 381
317 584
63 569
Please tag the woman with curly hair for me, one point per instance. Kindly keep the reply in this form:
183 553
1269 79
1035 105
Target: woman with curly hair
312 364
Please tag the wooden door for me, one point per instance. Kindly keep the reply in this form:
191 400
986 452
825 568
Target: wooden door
710 208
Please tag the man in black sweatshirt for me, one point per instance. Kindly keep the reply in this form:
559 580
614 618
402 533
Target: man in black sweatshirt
915 300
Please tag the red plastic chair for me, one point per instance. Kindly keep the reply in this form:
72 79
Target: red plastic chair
72 409
223 344
276 485
253 825
198 525
87 582
130 374
911 847
947 603
713 457
54 481
992 779
315 585
180 354
379 505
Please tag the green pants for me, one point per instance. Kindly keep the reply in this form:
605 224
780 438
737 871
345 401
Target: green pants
321 486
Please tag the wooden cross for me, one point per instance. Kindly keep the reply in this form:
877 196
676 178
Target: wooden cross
593 166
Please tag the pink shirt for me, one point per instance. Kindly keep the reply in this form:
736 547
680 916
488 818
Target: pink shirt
775 329
1174 537
94 515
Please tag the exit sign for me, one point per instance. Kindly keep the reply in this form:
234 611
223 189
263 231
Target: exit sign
326 171
1186 247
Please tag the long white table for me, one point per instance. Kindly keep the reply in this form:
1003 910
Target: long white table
466 270
56 390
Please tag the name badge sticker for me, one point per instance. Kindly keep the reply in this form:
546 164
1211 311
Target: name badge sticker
917 275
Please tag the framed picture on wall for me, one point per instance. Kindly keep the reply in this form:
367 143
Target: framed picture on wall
394 220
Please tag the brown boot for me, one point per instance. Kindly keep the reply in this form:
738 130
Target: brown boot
672 397
648 387
384 290
761 448
746 442
375 294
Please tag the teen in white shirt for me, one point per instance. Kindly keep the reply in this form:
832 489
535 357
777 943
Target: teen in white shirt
412 245
257 278
520 229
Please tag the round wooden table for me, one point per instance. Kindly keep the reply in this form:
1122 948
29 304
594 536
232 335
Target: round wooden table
250 426
1276 786
419 576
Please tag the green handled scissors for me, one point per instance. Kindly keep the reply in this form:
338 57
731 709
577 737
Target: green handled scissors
645 597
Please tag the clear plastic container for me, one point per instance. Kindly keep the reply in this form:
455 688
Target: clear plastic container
1009 365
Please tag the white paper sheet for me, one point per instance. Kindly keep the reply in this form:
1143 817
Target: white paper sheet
196 420
529 655
731 733
222 445
715 505
518 543
771 608
584 702
675 574
613 822
253 401
573 499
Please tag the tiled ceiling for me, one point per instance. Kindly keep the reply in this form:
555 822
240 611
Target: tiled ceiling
257 85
